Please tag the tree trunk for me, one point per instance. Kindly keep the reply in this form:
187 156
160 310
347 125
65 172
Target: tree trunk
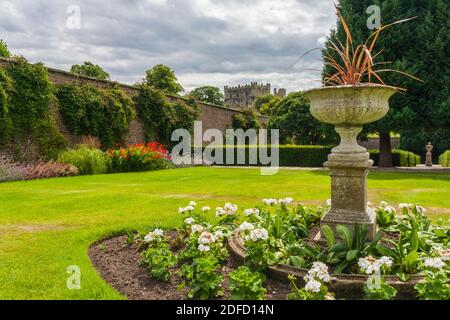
385 160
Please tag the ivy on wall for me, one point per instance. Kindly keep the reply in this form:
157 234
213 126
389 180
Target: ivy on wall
161 117
25 95
88 110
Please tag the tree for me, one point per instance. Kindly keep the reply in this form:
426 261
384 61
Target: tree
4 52
264 103
89 69
163 78
296 124
208 94
246 120
418 47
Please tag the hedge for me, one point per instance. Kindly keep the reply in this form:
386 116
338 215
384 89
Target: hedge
314 156
444 160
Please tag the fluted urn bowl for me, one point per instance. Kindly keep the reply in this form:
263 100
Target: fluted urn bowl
350 105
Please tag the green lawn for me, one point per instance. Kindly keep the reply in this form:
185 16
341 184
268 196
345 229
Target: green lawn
48 225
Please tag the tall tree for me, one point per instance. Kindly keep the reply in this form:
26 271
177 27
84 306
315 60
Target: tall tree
208 94
419 47
89 69
163 78
4 52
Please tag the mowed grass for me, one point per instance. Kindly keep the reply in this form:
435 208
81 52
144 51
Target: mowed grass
48 225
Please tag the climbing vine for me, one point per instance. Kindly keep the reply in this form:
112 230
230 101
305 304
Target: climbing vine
161 116
88 110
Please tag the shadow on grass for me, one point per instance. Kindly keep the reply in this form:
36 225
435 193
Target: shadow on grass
376 175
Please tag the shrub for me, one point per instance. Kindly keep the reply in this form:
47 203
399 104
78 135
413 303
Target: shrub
88 110
246 284
88 160
139 157
400 158
444 160
246 120
10 171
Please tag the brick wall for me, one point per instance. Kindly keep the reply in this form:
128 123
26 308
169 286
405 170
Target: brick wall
213 117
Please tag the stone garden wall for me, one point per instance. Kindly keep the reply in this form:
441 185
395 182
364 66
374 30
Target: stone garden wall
213 117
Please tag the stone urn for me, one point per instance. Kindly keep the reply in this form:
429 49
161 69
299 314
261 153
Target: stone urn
348 108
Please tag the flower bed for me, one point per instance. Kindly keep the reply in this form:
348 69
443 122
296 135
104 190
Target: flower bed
409 257
139 157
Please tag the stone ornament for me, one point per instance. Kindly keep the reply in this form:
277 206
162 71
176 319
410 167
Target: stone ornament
429 159
349 108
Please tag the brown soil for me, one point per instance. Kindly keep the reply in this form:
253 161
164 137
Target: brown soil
118 264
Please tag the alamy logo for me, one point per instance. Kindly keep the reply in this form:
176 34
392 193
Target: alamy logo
74 19
74 280
238 147
374 20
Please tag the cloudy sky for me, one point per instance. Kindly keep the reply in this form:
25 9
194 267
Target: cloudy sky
206 42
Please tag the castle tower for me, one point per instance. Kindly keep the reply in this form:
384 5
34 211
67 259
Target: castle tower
244 96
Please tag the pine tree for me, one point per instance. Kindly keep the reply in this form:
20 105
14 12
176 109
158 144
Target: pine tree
420 47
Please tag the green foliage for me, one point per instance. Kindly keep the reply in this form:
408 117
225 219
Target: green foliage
203 277
303 294
159 259
30 95
435 287
400 158
423 113
89 69
208 94
385 218
5 120
89 161
161 77
88 110
296 124
4 52
444 159
48 138
376 288
247 119
246 284
161 117
265 103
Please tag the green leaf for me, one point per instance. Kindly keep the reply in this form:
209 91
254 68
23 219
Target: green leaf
351 255
385 251
414 239
341 267
346 234
328 233
297 261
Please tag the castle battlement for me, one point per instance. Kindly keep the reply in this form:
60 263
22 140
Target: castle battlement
243 96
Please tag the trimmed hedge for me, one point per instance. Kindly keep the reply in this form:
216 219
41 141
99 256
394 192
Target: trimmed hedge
316 156
444 160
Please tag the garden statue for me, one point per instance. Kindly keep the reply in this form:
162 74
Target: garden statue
429 159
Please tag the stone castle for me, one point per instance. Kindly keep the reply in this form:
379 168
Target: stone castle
244 96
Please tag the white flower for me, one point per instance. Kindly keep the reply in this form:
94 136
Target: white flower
206 209
181 210
421 209
246 226
329 202
259 234
251 212
383 262
270 202
189 221
189 208
319 271
149 238
405 205
390 209
218 234
230 207
384 204
443 253
196 228
286 201
206 238
367 265
220 212
313 286
369 204
435 263
193 204
158 232
203 248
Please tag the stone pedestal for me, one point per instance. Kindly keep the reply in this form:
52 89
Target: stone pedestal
349 166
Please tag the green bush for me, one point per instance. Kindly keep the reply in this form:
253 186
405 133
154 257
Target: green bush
400 158
89 161
312 156
444 160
